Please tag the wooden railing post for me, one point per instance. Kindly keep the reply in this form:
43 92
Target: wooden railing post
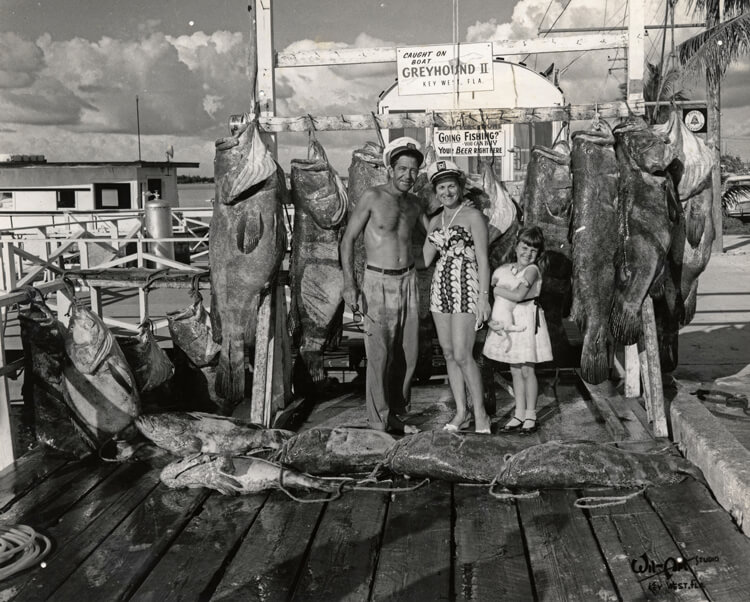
7 454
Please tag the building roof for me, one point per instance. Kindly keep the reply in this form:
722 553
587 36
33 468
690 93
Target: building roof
16 164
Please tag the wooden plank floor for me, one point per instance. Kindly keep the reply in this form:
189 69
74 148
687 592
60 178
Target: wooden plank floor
119 534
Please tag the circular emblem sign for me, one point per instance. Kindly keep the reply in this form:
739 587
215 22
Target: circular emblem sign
694 120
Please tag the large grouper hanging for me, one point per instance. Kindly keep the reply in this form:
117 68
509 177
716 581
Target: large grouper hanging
649 211
247 242
593 231
315 276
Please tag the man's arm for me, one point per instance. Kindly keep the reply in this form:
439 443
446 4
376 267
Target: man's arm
357 222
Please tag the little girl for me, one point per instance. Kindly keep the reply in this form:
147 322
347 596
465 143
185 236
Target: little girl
529 338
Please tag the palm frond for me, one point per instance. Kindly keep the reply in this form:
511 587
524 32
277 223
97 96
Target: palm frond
731 7
715 49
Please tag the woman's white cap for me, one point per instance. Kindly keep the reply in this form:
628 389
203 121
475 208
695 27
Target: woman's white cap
442 169
402 145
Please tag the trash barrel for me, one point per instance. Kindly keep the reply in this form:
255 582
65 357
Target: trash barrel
159 225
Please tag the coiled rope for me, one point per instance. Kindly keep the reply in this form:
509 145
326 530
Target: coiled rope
20 548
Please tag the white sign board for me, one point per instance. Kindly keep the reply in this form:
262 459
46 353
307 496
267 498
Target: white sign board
437 69
469 143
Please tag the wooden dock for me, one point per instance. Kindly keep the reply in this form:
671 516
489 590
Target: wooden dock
119 534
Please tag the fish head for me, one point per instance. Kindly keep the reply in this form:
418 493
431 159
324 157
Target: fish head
199 470
316 152
89 341
169 430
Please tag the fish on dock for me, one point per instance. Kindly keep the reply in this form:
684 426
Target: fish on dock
456 457
240 475
188 433
247 242
98 380
316 278
581 464
43 386
593 232
649 210
340 450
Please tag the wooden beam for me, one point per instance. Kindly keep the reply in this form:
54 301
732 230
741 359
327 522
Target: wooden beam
632 371
636 55
266 82
651 344
263 363
387 54
493 118
7 454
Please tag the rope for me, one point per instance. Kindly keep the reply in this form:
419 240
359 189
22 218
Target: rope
20 548
510 496
603 502
392 489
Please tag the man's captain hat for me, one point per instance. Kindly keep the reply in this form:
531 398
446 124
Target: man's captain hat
401 146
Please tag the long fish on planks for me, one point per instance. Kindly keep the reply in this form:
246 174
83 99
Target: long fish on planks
247 241
187 433
580 464
316 278
593 235
241 475
649 210
43 386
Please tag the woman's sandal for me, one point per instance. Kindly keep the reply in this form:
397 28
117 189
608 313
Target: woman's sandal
452 428
511 426
527 430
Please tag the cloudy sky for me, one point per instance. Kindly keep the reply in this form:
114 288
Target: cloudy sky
70 69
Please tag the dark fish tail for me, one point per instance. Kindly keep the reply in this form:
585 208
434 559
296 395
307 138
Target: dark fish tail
624 320
595 357
230 374
690 304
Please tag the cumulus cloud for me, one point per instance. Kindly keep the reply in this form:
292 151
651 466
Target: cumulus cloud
20 61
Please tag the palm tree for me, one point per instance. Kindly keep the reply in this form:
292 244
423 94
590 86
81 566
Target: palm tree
713 50
664 88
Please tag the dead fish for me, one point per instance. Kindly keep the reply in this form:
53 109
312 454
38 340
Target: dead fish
247 241
593 230
190 329
365 170
581 464
422 188
315 275
501 210
240 475
648 210
43 388
338 450
457 457
186 433
98 381
149 362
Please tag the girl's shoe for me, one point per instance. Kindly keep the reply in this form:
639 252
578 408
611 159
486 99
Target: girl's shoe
513 425
527 428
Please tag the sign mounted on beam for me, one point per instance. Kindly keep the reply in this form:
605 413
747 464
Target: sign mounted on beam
469 143
446 68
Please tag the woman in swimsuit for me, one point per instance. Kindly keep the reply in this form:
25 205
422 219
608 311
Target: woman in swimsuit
459 299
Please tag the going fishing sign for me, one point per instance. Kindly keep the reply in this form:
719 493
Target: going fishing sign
447 68
469 143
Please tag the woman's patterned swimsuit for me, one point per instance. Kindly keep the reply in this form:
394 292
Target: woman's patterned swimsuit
455 284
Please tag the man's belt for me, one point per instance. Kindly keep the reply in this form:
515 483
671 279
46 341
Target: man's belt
386 272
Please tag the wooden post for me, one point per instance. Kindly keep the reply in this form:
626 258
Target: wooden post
632 371
713 139
7 455
95 295
142 292
266 84
636 43
263 365
651 345
9 266
281 388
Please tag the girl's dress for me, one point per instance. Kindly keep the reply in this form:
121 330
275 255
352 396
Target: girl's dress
455 283
532 344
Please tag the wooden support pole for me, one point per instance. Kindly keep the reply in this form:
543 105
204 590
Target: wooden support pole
656 390
632 371
9 266
281 391
264 336
636 55
95 295
266 84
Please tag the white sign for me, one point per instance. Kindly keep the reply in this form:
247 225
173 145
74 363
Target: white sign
469 143
437 69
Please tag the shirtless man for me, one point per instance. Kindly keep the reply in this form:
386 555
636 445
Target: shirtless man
388 300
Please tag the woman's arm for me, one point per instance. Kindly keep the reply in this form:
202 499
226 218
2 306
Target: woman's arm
428 249
480 236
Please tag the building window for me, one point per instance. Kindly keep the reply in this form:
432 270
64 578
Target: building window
112 196
6 200
66 199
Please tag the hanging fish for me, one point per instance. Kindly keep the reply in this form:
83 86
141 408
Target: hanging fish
99 383
149 362
247 242
190 329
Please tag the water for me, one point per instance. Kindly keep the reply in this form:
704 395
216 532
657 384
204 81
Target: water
195 195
